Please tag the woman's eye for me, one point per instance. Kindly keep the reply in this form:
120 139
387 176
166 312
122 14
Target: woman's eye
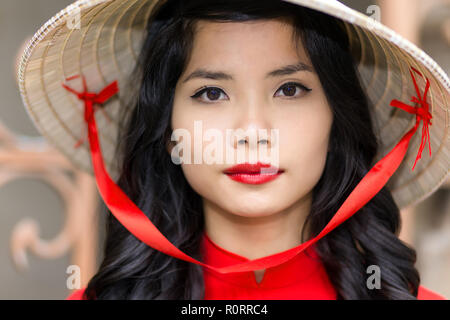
209 94
293 89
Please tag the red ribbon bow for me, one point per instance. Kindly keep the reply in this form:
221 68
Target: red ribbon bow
135 221
421 112
92 100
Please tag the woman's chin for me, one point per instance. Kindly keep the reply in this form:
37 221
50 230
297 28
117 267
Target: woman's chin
252 208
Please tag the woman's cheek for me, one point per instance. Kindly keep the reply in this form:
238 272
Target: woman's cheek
199 176
303 150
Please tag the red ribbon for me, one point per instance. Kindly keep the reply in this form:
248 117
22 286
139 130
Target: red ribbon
421 113
92 100
135 221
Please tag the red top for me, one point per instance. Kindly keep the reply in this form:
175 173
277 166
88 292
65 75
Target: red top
303 277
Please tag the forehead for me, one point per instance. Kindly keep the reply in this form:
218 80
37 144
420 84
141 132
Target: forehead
259 41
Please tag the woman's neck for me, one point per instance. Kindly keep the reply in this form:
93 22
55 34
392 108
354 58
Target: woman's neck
256 237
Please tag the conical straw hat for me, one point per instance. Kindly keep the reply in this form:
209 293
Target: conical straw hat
104 46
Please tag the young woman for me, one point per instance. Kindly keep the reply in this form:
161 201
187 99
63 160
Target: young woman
230 65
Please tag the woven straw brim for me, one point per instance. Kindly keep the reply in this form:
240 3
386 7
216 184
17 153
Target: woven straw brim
106 47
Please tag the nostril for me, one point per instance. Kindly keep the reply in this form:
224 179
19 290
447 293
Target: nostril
242 141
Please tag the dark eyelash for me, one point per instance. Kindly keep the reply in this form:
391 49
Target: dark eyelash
296 84
203 89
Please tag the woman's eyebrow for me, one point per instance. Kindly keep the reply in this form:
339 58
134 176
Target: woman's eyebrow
220 75
290 69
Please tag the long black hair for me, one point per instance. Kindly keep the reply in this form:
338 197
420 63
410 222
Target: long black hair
132 270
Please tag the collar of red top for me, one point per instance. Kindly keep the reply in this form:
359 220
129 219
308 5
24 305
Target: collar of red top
303 266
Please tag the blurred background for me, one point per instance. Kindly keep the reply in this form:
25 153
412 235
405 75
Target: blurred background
49 213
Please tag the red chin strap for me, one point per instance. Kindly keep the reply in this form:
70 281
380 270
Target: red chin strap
133 219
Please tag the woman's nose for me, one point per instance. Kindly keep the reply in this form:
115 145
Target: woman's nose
253 125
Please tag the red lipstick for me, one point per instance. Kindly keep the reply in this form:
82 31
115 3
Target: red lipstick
253 173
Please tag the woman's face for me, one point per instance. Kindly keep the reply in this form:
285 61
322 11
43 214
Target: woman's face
245 93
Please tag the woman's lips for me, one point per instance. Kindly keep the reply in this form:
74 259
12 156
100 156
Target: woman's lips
253 173
253 178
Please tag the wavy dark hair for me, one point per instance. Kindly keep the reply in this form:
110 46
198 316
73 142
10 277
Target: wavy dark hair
132 270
